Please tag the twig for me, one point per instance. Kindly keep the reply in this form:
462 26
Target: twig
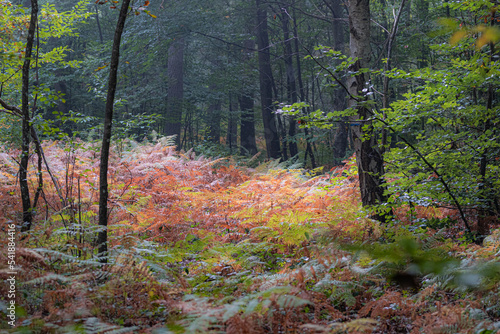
330 72
440 177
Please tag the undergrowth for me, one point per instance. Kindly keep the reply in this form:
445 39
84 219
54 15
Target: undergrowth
199 245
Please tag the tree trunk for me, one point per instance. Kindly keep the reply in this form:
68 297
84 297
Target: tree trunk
487 213
26 127
245 99
284 137
214 118
232 125
99 30
422 16
175 94
247 125
368 157
265 78
102 238
214 115
387 67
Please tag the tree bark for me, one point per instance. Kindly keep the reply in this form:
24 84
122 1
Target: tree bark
232 125
265 79
102 238
175 93
487 213
214 115
26 127
98 24
368 157
214 118
245 99
422 17
247 125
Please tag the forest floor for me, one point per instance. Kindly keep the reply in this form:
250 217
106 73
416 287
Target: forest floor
201 245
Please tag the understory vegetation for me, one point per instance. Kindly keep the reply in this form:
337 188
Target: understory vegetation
250 167
202 245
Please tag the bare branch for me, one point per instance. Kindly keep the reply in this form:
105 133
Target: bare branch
13 110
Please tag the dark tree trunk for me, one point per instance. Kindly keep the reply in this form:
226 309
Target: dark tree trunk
291 85
26 127
214 118
422 16
98 24
487 213
340 140
247 125
282 131
309 151
232 125
214 115
368 157
247 120
175 94
265 74
102 238
63 107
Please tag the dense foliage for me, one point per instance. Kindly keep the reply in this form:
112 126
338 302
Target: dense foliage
199 244
309 166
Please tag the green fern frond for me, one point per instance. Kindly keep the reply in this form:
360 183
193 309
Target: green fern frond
96 326
123 330
48 278
63 256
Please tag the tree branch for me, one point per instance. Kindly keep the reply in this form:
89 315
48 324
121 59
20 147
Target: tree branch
440 177
331 74
10 109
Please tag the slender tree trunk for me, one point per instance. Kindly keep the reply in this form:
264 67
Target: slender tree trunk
175 94
265 73
232 125
282 131
102 238
340 140
214 115
26 127
422 20
487 213
309 151
368 157
98 24
387 67
247 125
297 59
214 119
245 99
